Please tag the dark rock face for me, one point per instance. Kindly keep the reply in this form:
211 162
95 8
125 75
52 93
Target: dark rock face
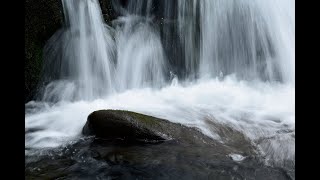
42 19
121 124
127 125
107 10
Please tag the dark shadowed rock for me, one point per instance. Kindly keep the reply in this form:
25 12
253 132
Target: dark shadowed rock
121 124
110 124
42 19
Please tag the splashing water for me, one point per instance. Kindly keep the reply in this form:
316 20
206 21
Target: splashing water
79 58
228 61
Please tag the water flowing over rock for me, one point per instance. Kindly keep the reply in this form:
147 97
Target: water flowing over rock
204 89
88 59
125 141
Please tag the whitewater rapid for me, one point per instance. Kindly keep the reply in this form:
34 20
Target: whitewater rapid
258 109
236 69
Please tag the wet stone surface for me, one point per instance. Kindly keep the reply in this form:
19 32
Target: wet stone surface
92 158
193 156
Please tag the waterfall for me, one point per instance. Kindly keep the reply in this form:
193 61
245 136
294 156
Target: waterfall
79 59
141 59
183 60
88 59
140 55
252 39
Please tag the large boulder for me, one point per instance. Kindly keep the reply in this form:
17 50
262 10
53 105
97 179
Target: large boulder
122 124
132 126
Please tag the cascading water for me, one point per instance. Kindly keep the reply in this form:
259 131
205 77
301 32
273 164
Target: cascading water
141 59
253 39
84 61
140 55
79 61
234 61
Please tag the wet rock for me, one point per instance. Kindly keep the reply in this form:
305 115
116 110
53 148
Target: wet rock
161 161
43 18
184 152
123 125
131 126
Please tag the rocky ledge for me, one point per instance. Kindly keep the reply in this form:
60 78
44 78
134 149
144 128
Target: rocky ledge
128 145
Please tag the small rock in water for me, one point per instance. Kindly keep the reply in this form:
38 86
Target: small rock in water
236 157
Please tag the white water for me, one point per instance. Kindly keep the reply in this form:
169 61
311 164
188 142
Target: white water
253 38
80 56
125 67
140 54
257 109
87 59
